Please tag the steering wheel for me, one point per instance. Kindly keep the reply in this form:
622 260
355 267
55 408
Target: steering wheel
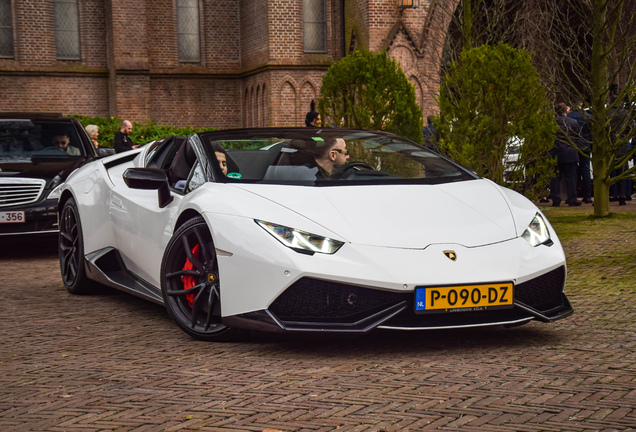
346 167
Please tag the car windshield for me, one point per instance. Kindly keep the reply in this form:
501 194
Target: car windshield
328 157
21 140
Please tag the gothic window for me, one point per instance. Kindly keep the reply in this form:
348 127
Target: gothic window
6 29
67 38
188 30
314 26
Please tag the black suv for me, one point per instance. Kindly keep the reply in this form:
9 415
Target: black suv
37 152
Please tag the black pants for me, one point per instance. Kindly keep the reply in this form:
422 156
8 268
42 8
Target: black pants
567 170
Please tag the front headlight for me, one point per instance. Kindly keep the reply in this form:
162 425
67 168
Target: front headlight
301 241
56 184
537 232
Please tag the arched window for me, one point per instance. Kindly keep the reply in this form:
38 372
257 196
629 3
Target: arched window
314 26
188 30
67 38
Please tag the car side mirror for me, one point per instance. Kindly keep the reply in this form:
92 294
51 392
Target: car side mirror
105 151
149 179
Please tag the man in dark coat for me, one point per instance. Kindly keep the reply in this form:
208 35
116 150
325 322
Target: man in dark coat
122 140
430 135
564 149
621 128
585 143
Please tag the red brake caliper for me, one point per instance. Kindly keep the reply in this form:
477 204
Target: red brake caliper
189 281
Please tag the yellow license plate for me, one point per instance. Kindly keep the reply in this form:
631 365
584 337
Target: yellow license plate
464 298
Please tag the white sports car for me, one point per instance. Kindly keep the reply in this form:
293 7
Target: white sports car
306 230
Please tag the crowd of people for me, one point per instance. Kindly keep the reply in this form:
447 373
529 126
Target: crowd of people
572 149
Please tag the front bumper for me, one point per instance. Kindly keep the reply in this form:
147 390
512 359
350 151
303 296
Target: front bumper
313 305
40 218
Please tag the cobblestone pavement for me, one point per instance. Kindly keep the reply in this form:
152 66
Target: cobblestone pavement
110 361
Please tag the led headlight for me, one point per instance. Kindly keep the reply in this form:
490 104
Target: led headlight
537 232
301 241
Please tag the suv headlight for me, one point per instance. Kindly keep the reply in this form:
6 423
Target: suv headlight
537 232
301 241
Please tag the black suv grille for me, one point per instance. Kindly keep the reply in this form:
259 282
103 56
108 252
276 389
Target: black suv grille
317 300
543 292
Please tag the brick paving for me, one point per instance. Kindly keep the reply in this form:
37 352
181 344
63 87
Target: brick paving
110 361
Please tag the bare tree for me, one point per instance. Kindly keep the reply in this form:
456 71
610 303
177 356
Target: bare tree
593 46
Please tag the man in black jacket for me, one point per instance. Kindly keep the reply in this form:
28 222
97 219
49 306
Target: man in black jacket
585 142
567 139
122 140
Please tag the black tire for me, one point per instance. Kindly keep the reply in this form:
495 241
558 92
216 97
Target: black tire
200 317
71 250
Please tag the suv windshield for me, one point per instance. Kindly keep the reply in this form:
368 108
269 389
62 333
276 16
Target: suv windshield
328 157
20 140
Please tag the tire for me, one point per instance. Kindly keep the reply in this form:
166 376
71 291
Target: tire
190 261
71 250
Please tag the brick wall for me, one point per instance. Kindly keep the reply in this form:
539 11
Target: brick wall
253 70
199 102
254 36
68 95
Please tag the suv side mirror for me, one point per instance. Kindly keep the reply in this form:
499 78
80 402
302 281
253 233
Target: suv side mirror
149 179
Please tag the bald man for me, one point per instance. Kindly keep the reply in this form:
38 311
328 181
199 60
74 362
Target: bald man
122 140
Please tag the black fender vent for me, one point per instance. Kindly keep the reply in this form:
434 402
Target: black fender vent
544 292
323 301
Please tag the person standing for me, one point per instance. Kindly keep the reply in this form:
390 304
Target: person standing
585 146
312 119
122 140
567 156
430 135
93 133
620 128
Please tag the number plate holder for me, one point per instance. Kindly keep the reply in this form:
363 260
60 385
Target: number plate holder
12 217
464 298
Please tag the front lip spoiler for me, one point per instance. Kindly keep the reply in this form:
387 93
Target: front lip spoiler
264 320
560 312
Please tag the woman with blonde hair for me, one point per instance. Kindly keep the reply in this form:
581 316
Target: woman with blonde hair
93 131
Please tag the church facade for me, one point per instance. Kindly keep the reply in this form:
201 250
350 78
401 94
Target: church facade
219 63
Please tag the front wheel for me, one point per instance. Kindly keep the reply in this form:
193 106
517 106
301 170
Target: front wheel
190 283
71 250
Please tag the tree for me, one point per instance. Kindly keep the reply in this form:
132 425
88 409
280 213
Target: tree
490 100
594 44
365 90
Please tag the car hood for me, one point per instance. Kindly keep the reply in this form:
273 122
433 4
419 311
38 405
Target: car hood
40 169
469 213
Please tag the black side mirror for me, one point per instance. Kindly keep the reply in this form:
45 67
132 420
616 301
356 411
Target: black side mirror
149 179
105 151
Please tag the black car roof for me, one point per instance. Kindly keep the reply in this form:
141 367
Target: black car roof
29 115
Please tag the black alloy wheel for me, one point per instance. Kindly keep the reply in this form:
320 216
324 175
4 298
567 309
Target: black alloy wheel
71 250
190 283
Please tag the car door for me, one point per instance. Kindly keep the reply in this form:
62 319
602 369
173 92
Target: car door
142 228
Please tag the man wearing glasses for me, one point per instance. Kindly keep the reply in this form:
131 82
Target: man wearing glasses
61 140
334 156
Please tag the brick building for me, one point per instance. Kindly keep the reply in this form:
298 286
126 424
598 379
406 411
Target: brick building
222 63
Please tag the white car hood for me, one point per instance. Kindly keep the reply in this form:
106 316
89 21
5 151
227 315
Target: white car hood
469 213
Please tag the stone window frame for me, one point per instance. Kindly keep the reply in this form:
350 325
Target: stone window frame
308 24
179 5
10 28
74 32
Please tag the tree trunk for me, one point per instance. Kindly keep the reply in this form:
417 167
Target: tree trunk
599 78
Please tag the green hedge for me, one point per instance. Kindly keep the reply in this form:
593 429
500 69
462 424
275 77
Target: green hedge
142 133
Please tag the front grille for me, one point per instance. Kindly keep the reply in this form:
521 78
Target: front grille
544 292
15 192
320 301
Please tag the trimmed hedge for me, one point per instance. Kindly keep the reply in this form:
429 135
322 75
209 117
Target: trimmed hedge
141 134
